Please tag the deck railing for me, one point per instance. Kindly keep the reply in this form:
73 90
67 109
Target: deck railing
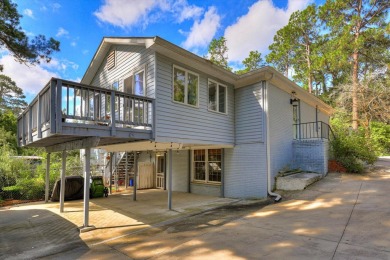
66 103
312 130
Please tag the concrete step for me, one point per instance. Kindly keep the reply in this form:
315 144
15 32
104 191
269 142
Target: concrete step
298 181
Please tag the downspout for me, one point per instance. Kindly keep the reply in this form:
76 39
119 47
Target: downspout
269 184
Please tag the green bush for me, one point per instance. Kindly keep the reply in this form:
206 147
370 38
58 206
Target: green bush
11 192
32 189
352 149
380 135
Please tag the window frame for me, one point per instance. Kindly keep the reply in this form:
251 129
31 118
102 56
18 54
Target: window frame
186 71
206 163
217 97
137 71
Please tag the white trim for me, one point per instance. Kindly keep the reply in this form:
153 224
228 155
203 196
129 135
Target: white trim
217 97
137 71
186 71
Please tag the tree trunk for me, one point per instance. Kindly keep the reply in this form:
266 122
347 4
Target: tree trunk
355 82
309 77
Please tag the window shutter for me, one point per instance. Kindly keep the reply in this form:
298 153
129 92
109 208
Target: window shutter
110 60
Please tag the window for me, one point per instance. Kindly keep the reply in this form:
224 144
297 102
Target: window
185 86
207 165
135 83
296 119
217 97
139 86
110 60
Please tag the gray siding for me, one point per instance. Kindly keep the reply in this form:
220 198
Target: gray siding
245 164
180 171
206 189
177 122
127 59
249 114
308 114
246 171
281 129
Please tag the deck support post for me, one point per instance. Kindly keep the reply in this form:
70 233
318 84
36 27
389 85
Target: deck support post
111 168
126 172
222 173
87 177
47 177
170 180
135 176
62 188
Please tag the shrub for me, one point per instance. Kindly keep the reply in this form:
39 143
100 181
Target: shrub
352 149
380 135
11 192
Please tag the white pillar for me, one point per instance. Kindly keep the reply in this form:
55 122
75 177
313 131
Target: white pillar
87 177
126 172
47 178
62 188
170 180
135 176
111 168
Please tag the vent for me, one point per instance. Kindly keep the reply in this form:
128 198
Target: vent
110 60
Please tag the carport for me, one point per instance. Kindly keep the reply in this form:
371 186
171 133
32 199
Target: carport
91 142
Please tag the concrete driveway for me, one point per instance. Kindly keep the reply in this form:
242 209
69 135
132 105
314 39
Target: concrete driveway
341 217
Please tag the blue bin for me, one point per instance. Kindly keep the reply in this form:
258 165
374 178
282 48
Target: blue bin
131 182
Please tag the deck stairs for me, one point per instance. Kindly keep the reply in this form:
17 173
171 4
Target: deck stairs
119 168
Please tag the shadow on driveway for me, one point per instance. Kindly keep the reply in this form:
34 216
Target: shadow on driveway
28 233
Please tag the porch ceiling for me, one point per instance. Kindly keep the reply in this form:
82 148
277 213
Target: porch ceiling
156 146
60 139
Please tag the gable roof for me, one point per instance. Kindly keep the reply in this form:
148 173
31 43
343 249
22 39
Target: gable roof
175 52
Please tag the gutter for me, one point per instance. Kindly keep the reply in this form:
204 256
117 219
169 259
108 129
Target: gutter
278 197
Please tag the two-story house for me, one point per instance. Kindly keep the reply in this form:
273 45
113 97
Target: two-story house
196 127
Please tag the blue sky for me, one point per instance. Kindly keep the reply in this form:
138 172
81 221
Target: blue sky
80 25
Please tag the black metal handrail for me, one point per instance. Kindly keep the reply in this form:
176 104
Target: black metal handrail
312 130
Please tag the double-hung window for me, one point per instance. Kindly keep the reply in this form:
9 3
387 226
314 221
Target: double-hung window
185 86
217 97
207 165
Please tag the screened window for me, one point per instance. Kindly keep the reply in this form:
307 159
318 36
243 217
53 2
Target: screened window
207 165
185 86
217 97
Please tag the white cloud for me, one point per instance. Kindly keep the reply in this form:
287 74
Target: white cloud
125 13
31 79
60 65
184 11
202 32
73 44
62 32
85 52
55 6
256 29
28 12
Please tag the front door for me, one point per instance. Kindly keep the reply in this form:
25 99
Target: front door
160 171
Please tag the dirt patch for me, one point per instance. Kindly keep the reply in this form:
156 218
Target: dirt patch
11 202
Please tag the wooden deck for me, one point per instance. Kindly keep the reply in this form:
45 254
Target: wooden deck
66 111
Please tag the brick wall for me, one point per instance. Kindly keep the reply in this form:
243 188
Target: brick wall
311 155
